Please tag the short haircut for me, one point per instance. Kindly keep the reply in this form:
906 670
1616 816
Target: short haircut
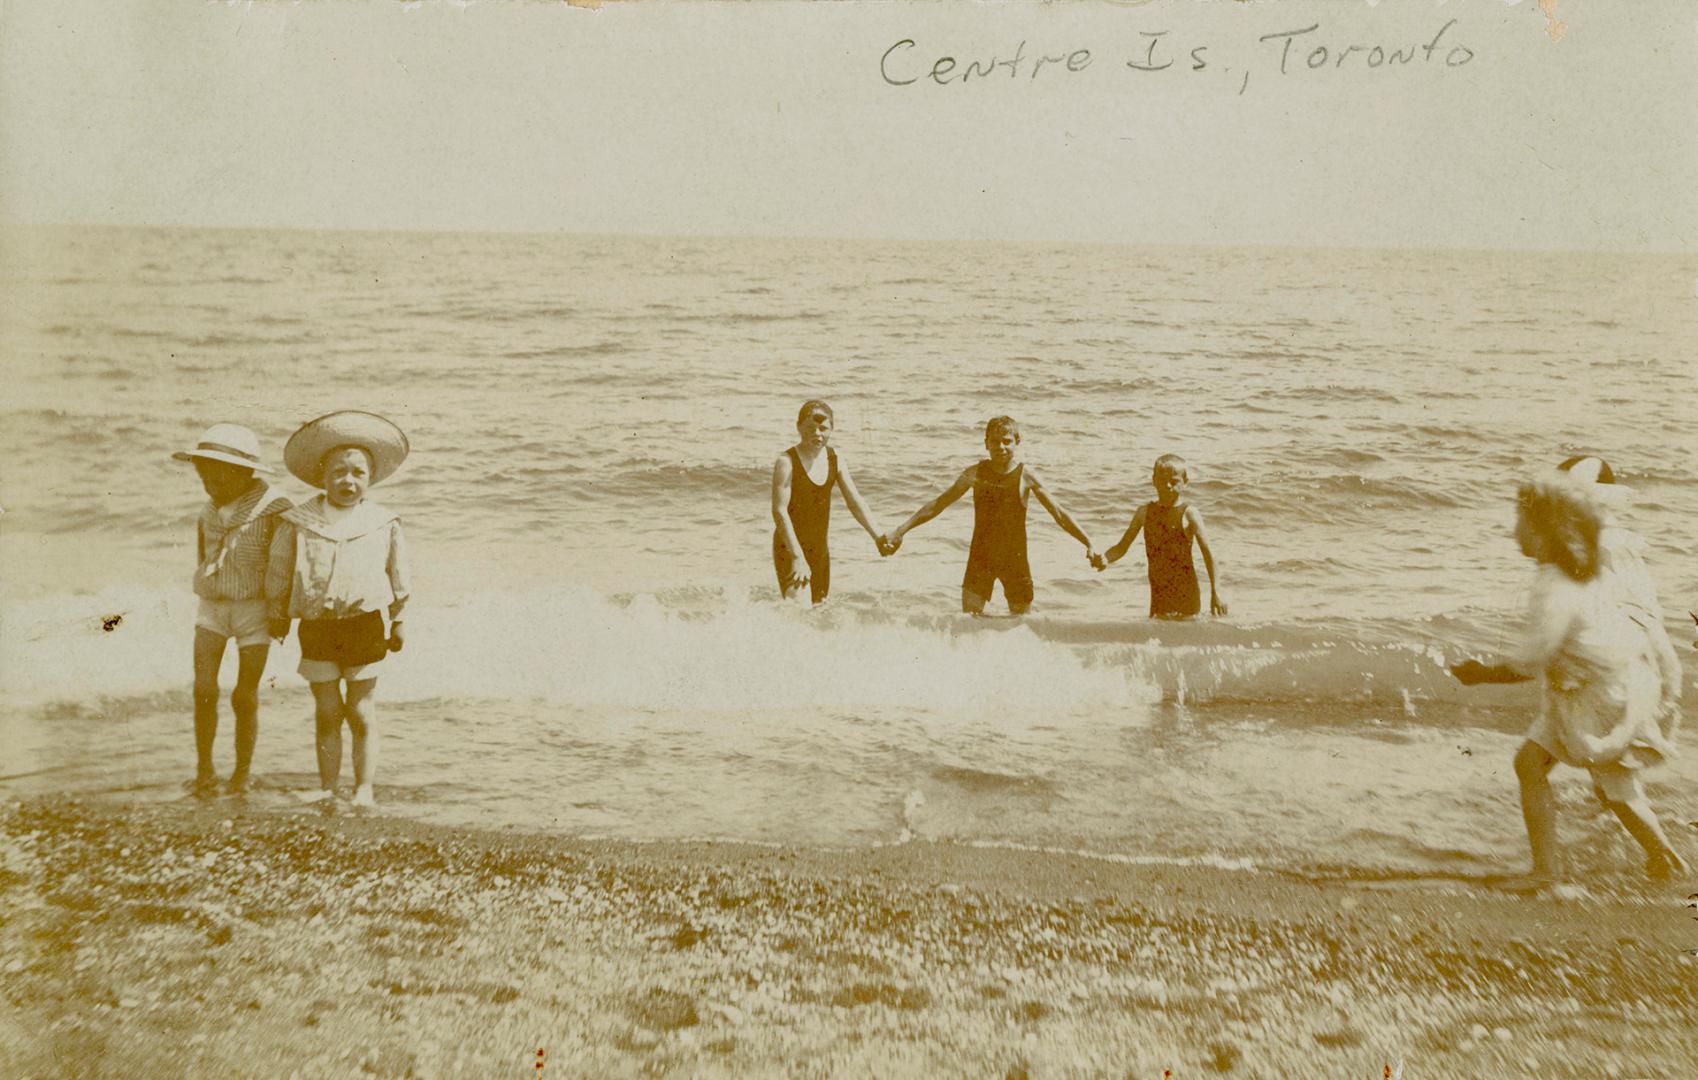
812 406
1174 462
999 425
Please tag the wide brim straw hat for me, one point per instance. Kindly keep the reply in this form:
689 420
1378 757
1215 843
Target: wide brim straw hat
304 453
232 444
1593 476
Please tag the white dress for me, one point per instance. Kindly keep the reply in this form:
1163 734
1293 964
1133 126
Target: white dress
1622 554
1601 685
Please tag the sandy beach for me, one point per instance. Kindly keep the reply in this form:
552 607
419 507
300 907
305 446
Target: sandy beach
199 940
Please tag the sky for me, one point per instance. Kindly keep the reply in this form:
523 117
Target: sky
787 119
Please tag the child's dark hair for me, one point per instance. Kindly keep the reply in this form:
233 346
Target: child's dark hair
999 425
1566 522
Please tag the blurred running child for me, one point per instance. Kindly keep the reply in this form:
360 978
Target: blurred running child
1601 682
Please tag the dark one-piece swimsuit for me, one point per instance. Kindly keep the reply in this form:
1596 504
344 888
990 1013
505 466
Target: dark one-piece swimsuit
998 552
1173 578
810 517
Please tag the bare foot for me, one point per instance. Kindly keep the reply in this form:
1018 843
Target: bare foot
238 784
203 786
321 795
363 796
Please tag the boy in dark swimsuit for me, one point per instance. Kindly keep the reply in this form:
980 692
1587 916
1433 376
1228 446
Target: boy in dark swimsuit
802 479
1169 526
1000 488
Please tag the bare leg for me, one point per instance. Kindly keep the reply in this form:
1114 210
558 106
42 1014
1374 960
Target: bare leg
244 702
1538 807
1641 821
972 603
327 716
362 723
209 656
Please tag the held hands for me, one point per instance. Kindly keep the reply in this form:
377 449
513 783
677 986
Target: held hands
1098 561
277 628
888 544
397 636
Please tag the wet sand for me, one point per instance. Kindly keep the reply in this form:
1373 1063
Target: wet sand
218 939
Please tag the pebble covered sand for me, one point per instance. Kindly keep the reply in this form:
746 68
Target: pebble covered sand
213 940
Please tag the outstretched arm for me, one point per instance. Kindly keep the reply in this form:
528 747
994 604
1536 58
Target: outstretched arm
1194 526
1545 629
1118 551
781 471
1473 672
962 485
1061 516
852 499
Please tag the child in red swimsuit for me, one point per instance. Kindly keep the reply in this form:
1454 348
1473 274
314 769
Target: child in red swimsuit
1000 487
1169 525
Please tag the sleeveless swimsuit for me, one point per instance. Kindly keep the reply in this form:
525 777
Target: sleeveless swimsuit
810 517
998 551
1173 578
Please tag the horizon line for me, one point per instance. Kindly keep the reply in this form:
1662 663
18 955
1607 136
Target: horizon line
826 237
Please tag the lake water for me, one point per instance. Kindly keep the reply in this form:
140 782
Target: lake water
596 642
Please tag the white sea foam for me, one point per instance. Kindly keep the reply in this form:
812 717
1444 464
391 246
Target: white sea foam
573 646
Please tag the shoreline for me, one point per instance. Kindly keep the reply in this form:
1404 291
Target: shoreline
198 939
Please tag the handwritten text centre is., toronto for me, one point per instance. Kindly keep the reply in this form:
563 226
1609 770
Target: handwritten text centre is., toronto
1284 52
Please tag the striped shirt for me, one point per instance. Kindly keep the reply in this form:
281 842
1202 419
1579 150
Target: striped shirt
233 543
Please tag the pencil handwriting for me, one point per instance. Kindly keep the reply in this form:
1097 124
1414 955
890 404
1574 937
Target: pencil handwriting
1292 54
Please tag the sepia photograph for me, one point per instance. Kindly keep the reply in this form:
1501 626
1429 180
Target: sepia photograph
1139 539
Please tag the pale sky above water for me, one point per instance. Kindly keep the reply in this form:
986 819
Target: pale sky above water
776 118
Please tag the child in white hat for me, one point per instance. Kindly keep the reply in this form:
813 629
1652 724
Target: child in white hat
339 565
232 537
1601 680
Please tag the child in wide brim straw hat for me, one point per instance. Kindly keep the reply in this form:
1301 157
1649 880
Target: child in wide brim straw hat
338 564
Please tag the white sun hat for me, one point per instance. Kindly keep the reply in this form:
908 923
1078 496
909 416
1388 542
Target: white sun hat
378 436
1595 476
229 443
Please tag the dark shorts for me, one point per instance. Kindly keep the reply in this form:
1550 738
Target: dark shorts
1015 575
350 642
819 567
